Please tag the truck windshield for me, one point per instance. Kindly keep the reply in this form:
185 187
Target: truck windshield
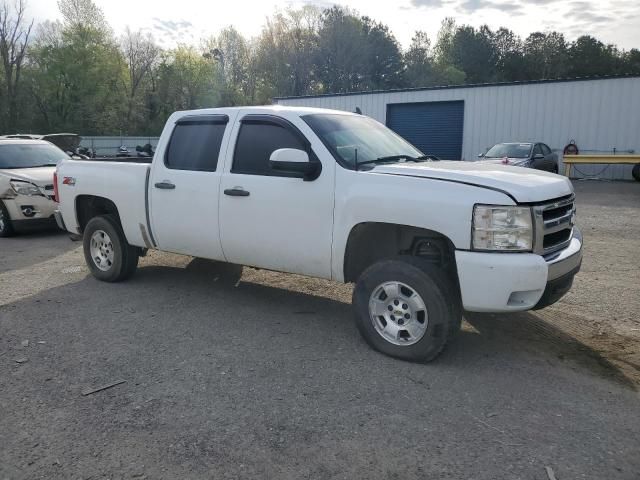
511 150
29 155
356 137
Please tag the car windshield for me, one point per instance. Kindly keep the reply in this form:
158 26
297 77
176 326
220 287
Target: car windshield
351 137
511 150
29 155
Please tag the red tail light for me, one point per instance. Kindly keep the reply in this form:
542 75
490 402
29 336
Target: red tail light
56 197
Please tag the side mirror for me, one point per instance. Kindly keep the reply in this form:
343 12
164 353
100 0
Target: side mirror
480 155
292 160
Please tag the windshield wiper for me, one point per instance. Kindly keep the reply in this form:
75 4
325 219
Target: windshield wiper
389 158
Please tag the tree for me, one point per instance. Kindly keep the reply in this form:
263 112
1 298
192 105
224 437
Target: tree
588 57
285 54
545 56
631 62
356 53
510 62
442 49
229 52
186 81
14 37
383 60
418 62
83 14
141 53
473 52
77 73
445 73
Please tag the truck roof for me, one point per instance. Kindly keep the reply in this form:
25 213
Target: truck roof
266 109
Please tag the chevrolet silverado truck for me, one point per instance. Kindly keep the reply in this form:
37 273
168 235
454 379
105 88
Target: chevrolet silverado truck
338 196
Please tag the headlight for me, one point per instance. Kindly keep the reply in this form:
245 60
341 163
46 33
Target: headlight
502 228
25 188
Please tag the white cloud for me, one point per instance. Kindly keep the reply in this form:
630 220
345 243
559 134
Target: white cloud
185 21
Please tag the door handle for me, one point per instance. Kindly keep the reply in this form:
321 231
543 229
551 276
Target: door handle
165 185
236 192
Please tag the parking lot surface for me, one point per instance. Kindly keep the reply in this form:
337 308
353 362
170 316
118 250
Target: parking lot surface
254 374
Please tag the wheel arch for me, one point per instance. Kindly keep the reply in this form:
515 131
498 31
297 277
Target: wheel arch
370 242
90 206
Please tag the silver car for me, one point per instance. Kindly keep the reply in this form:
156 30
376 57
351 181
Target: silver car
522 154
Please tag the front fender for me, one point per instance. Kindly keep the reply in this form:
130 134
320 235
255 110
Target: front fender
441 206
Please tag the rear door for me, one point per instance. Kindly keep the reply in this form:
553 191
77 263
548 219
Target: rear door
184 186
269 219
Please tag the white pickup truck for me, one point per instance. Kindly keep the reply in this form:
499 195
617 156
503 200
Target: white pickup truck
339 196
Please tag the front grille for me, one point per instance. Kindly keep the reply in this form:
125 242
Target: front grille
553 224
556 238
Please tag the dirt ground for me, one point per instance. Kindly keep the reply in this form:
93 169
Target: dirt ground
232 373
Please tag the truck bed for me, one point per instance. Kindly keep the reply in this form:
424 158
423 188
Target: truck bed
122 182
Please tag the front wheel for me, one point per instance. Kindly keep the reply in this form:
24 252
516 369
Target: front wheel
6 227
106 251
406 308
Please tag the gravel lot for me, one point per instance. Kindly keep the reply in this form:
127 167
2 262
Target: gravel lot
265 375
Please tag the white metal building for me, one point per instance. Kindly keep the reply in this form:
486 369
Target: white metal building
459 122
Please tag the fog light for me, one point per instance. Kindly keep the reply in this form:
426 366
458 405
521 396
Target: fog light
28 210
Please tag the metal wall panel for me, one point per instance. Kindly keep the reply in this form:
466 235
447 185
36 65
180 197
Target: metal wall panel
599 114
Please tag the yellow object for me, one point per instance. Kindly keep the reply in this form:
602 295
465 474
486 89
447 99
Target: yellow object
569 160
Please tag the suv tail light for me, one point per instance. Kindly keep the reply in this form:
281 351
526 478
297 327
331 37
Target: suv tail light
56 197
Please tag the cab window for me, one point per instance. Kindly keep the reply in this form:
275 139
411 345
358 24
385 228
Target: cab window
256 142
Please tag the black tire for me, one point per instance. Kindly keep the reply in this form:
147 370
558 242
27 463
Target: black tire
6 227
440 296
125 256
635 171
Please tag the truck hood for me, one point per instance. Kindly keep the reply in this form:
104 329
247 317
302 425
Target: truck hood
523 184
40 176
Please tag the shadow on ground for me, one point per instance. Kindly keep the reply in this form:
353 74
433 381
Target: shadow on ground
228 377
37 246
483 333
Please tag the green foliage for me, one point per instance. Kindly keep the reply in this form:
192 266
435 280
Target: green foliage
589 56
78 77
356 53
76 72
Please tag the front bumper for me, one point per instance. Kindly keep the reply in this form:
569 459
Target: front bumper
507 282
28 212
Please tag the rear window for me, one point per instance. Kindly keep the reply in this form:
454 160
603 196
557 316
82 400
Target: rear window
30 155
195 146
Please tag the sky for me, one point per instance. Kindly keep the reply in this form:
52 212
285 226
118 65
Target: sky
186 21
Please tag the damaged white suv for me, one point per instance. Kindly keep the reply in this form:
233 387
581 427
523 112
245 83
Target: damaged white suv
26 184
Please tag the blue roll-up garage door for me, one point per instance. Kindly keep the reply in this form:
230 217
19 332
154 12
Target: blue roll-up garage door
434 127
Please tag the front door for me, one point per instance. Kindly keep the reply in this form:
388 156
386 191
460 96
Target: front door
184 187
268 219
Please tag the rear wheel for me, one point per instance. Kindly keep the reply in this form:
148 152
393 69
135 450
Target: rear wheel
107 253
6 227
407 308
